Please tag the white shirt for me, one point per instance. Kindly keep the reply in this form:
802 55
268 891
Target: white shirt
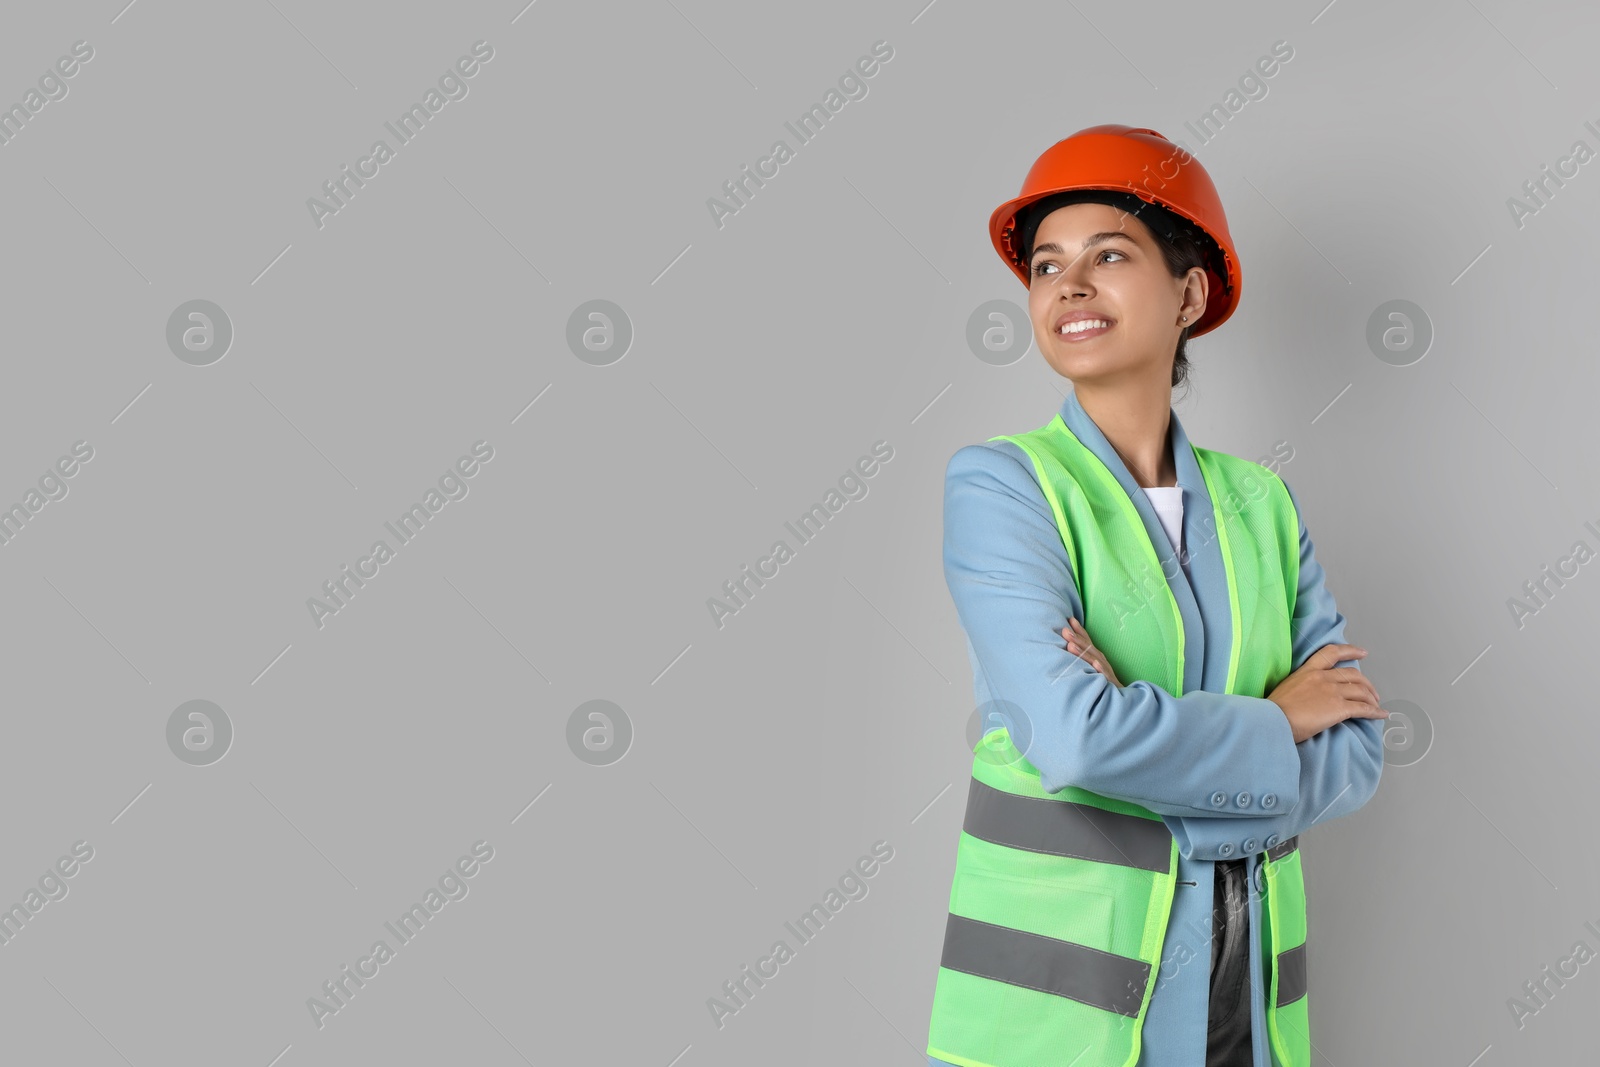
1168 502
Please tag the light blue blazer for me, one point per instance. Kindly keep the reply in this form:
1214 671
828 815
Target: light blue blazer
1204 760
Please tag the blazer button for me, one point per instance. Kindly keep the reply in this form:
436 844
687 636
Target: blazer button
1226 848
1269 800
1248 844
1272 839
1219 798
1243 800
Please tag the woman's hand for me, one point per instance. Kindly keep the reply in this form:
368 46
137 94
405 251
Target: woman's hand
1319 695
1079 645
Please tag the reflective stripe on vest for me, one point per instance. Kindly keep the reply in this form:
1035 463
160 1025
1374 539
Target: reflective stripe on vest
1062 828
1060 901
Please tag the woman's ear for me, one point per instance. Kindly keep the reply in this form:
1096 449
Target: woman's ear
1196 290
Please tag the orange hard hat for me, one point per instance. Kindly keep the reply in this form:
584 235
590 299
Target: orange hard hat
1137 161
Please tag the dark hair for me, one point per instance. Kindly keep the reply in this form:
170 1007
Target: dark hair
1183 245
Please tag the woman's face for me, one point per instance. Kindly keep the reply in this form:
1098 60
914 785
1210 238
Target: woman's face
1094 261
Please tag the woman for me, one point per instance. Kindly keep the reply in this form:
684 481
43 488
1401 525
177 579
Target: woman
1162 672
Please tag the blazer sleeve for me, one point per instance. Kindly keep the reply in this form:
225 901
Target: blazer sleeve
1011 580
1339 767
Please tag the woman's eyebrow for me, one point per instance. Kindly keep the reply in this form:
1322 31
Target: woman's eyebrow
1089 242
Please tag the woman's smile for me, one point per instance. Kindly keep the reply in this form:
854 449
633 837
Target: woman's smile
1078 326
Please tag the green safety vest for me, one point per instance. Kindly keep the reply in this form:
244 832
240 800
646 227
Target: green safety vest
1060 901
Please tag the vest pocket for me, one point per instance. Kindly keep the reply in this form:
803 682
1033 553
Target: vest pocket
1063 903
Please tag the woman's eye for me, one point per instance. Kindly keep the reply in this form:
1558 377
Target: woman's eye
1039 268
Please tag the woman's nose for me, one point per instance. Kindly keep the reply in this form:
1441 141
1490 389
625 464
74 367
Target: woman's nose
1075 277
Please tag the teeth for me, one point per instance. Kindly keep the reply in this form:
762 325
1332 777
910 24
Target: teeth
1083 324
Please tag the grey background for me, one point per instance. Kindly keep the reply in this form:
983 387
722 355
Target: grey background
768 356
